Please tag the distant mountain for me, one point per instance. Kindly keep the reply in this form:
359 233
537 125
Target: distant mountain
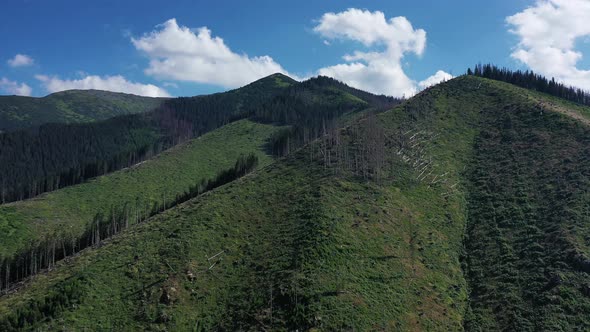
71 106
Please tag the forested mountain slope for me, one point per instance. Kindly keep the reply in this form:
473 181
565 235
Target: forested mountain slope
46 158
40 231
338 242
463 208
72 106
64 215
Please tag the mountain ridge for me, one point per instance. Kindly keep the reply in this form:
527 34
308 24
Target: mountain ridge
88 105
71 106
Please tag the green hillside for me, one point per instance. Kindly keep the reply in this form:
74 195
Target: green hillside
72 106
46 158
66 213
529 225
323 245
464 208
39 234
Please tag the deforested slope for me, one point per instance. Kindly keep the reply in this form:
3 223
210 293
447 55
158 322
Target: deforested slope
63 216
47 158
41 231
332 237
464 208
301 243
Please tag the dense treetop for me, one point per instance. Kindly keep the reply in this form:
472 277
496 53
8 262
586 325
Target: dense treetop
531 80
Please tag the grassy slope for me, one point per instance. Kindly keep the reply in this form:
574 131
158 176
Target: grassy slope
164 176
301 245
73 106
335 251
535 99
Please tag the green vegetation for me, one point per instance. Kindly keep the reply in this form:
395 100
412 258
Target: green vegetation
72 106
540 100
309 106
331 249
283 81
46 158
297 245
528 232
530 80
67 212
465 207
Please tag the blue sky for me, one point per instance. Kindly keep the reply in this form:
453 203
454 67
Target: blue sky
392 46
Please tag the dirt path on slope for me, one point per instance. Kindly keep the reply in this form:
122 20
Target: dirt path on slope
563 110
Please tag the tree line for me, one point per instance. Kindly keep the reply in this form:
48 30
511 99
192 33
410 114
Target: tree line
55 247
311 115
311 109
531 80
53 156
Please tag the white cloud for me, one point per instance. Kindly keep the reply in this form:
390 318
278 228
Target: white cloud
110 83
438 77
14 88
371 28
379 70
179 53
547 34
20 60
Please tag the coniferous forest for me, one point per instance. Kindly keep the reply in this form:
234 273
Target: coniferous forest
53 156
531 80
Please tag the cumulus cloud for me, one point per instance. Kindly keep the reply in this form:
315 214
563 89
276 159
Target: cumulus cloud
380 69
438 77
110 83
547 34
372 28
14 88
20 60
179 53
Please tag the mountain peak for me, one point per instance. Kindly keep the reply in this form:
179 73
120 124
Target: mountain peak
278 79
